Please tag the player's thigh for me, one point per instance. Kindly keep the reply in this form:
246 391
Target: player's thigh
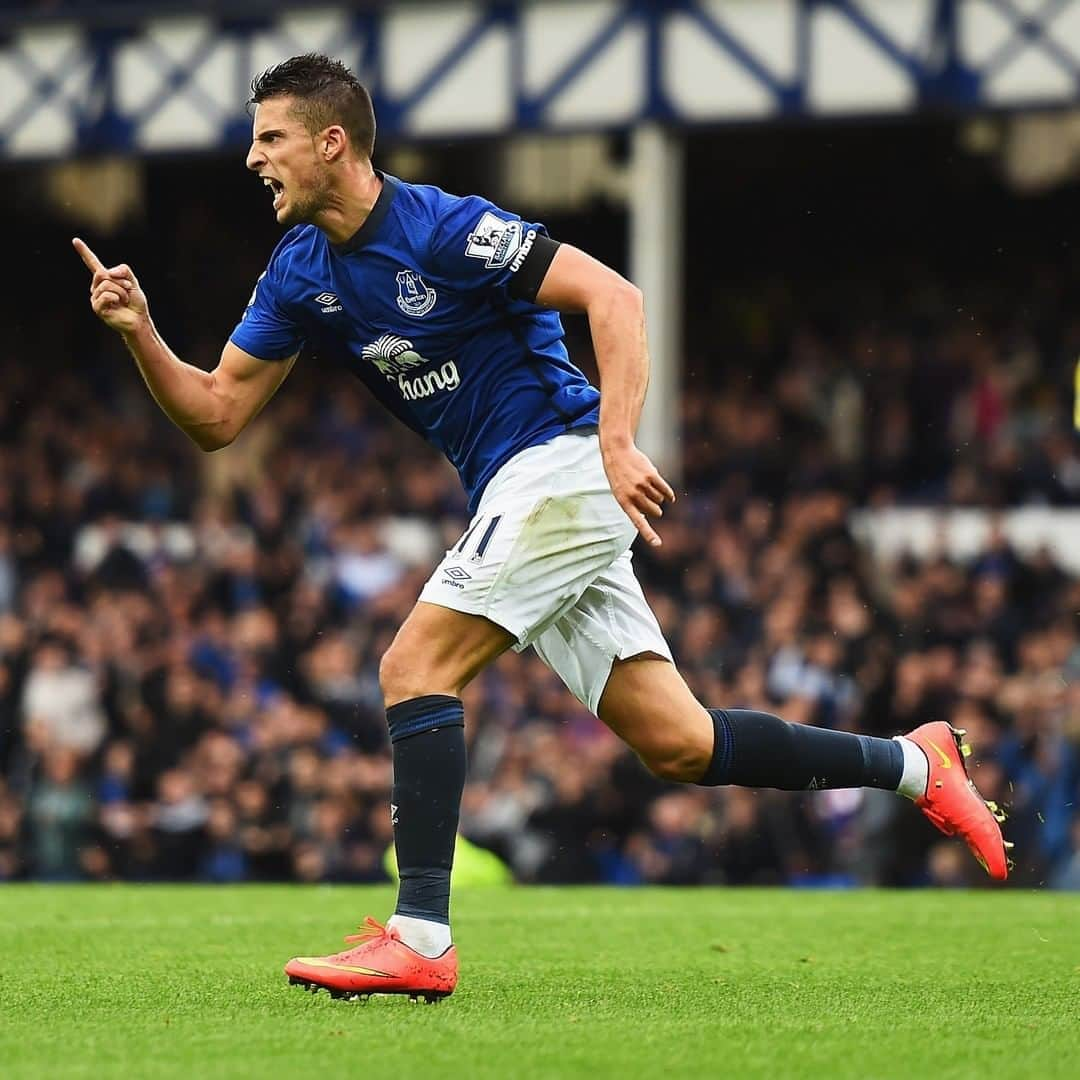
438 651
611 653
647 703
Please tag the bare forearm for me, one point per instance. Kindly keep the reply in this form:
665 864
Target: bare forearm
185 393
616 311
211 408
617 323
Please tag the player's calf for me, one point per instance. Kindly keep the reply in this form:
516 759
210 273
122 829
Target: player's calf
649 705
433 657
757 749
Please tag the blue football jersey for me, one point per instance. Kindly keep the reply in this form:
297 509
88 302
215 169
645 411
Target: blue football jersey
421 306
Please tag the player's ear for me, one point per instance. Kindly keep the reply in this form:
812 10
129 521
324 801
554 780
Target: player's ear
335 143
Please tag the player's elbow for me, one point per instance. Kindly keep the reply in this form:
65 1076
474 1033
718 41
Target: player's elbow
208 446
209 438
618 297
626 293
615 299
631 294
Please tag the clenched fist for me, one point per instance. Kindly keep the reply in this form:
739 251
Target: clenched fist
115 295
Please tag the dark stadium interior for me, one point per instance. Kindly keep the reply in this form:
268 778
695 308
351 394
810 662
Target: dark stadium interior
873 318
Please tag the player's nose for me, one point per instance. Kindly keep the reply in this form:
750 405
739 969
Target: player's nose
255 159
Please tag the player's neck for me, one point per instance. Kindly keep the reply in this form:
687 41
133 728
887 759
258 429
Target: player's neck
350 205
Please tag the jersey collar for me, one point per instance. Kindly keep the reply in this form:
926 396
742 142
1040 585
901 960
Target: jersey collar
367 232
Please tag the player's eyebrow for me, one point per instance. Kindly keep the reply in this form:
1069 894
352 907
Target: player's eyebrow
262 136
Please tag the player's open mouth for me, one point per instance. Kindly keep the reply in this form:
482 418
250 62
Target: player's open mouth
277 187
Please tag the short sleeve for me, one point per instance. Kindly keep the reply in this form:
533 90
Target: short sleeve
477 246
265 330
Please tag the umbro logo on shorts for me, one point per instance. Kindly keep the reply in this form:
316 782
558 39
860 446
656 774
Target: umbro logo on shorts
455 576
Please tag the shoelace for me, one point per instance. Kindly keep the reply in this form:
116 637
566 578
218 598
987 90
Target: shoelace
371 930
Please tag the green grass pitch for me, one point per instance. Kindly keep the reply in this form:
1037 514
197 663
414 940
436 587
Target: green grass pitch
132 981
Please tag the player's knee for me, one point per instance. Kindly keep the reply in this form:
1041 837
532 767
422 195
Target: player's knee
398 679
403 675
680 762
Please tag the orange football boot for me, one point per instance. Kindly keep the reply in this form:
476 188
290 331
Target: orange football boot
953 803
380 963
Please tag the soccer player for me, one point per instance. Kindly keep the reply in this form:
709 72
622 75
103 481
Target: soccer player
447 309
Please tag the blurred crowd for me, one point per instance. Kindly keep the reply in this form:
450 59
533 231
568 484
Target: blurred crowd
189 643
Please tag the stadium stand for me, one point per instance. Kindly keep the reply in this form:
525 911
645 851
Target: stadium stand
189 643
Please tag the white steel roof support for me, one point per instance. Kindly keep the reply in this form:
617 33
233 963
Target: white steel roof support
657 193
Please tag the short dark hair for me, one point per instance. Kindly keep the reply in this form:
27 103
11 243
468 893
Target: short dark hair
325 92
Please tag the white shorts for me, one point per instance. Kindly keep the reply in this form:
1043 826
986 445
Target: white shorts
547 557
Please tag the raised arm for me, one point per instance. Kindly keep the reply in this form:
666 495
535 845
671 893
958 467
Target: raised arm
616 312
210 407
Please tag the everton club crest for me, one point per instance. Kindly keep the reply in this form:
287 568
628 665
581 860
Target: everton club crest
415 297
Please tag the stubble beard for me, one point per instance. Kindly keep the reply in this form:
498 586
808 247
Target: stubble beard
305 206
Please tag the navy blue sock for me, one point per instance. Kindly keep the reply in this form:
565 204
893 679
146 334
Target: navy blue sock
427 736
755 749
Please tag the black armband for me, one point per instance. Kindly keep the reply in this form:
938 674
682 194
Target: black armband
529 276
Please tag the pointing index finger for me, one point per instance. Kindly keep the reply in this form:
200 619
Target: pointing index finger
93 263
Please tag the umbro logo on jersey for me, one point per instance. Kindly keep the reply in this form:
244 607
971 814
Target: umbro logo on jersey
526 247
329 301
